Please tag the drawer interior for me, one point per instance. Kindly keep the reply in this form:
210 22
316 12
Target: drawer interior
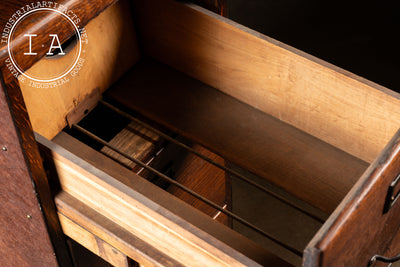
232 123
276 163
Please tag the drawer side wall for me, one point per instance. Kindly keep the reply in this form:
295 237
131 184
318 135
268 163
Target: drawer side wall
346 111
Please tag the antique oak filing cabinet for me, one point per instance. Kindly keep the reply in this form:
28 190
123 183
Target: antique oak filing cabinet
177 77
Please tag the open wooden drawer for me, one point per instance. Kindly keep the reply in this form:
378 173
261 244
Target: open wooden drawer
320 140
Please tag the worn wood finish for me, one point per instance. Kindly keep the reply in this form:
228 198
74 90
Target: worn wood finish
170 208
359 219
30 232
338 107
91 229
103 65
308 168
205 179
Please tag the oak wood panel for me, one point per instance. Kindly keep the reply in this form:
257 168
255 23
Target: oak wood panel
168 206
336 106
106 59
307 167
30 233
90 228
358 228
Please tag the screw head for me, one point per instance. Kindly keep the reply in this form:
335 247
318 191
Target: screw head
4 148
29 216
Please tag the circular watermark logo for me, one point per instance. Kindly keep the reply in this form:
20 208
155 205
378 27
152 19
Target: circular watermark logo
23 27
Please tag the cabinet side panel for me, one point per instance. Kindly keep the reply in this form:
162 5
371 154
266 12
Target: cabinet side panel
29 225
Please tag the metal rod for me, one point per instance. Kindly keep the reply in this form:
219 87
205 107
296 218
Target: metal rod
219 213
228 170
172 181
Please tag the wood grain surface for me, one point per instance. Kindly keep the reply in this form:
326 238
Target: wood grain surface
94 244
205 179
95 231
392 251
307 167
111 50
359 228
44 25
336 106
184 218
30 233
134 140
191 171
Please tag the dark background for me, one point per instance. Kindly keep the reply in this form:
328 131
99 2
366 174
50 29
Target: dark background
360 36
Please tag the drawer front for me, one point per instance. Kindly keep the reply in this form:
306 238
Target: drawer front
392 253
159 222
364 223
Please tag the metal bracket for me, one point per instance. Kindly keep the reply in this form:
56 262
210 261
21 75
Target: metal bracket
392 195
